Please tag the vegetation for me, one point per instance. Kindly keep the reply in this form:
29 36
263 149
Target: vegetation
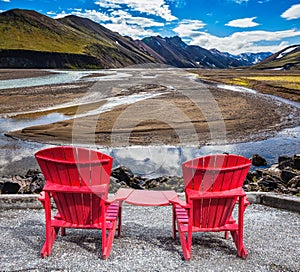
29 30
285 84
288 58
285 81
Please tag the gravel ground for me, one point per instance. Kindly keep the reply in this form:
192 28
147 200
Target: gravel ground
271 237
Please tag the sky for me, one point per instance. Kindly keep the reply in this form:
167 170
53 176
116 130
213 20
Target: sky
234 26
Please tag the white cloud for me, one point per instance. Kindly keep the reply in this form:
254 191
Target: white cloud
6 1
240 1
120 21
133 31
121 16
90 14
243 23
158 7
50 13
263 1
188 28
107 4
248 41
292 13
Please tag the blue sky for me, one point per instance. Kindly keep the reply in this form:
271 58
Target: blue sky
234 26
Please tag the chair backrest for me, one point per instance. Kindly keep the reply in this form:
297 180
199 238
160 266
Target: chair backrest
213 173
81 169
212 212
217 172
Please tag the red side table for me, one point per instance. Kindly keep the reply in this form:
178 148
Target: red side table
146 197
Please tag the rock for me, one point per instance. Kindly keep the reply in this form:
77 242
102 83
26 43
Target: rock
283 158
32 173
115 185
267 184
257 160
287 175
122 173
37 185
10 188
296 159
285 162
294 182
280 178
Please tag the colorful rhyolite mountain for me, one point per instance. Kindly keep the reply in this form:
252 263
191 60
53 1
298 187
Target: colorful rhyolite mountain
29 39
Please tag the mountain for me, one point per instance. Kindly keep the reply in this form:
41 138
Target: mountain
29 39
177 53
80 41
244 59
252 58
288 58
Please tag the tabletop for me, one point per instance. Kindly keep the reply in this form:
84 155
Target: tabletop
146 197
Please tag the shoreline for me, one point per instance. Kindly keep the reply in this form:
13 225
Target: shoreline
252 117
247 117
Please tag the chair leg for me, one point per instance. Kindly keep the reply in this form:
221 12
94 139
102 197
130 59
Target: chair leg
51 232
50 238
185 244
108 240
174 221
241 249
119 221
238 236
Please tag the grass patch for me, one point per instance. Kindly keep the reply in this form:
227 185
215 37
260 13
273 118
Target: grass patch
287 78
239 81
288 81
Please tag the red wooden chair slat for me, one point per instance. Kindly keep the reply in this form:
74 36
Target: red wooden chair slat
213 185
78 181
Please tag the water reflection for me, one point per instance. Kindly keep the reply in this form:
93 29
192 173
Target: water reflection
153 161
61 77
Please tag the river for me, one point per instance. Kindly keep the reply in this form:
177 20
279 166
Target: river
17 156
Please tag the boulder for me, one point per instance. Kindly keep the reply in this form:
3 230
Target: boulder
258 160
294 182
287 174
122 173
283 158
296 159
10 188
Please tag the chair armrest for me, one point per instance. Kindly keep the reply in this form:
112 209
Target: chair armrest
57 188
178 201
192 194
111 200
123 193
41 198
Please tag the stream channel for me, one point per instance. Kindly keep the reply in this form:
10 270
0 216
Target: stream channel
16 156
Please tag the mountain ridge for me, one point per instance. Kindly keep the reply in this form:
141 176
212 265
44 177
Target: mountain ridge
69 35
78 42
287 58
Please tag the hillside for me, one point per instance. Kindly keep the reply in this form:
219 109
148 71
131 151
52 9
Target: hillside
34 32
29 39
177 53
288 58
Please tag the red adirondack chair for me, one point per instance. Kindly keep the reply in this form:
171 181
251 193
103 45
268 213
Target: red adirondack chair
213 185
78 180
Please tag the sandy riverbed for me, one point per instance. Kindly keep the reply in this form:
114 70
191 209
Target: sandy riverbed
185 112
